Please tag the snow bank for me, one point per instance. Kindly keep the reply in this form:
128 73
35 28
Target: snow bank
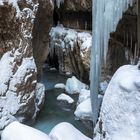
66 131
74 86
60 85
64 97
18 131
120 111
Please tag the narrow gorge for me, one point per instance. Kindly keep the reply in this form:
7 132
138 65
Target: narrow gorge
69 69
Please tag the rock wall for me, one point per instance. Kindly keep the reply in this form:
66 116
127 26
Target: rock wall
76 14
42 26
20 94
123 42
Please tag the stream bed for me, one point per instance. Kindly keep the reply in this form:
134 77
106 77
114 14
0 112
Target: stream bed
52 114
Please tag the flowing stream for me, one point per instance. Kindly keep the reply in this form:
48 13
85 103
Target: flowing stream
52 113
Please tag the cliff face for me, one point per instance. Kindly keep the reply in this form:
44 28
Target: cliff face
42 26
20 94
71 50
76 14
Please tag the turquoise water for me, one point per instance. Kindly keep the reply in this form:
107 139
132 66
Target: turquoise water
52 113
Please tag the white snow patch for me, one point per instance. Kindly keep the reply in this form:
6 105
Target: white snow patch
18 131
74 86
66 131
64 97
60 85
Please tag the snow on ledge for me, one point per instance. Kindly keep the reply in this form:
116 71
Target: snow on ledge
60 85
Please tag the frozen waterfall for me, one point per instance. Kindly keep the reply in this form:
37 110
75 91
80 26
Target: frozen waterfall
106 15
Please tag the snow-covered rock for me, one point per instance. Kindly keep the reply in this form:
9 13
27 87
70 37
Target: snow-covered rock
66 131
66 98
20 95
60 85
84 110
74 86
69 44
84 94
103 86
18 131
120 111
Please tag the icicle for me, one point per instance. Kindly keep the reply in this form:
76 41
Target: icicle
106 15
59 2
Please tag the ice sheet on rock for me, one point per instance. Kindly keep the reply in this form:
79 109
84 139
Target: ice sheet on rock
74 86
18 131
64 97
59 2
68 38
66 131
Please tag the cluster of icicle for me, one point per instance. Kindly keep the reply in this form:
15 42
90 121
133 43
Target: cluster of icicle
59 2
106 15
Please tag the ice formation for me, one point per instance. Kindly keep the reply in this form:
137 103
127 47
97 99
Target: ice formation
106 15
59 2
